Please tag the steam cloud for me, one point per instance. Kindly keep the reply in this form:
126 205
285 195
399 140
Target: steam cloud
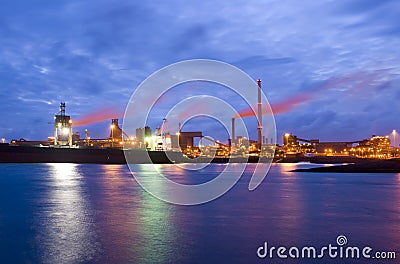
356 81
98 116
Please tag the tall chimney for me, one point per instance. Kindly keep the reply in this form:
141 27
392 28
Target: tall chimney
233 131
259 115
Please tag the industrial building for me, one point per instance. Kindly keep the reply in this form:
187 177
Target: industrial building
374 147
186 139
142 134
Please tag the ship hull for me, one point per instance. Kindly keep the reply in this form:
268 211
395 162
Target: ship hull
27 154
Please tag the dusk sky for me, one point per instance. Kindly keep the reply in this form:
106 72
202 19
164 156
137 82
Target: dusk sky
336 62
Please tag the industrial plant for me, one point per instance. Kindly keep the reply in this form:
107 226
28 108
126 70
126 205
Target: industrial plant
158 140
193 144
377 147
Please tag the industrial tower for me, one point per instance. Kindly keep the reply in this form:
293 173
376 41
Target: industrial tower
259 115
62 128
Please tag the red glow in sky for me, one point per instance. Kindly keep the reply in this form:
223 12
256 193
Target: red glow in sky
98 116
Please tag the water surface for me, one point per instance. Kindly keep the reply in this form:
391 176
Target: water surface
70 213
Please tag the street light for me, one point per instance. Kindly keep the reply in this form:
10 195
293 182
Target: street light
112 135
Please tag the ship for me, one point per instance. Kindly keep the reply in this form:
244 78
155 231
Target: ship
34 154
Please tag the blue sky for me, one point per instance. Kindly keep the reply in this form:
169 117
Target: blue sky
94 53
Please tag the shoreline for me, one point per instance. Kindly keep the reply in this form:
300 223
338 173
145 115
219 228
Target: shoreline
367 166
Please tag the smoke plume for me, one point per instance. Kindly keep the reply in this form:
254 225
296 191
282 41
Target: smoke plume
98 116
354 83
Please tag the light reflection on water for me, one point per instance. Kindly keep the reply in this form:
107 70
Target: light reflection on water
67 213
67 233
137 222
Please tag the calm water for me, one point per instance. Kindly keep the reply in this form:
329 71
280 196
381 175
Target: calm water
68 213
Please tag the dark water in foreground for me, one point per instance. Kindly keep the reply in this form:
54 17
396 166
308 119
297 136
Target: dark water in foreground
68 213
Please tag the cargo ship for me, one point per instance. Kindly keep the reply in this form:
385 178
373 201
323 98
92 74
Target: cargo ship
34 154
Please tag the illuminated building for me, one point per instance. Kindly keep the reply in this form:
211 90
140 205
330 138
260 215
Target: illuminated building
289 140
332 148
293 147
143 136
115 130
62 128
375 147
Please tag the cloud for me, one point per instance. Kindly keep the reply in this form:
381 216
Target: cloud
258 61
95 53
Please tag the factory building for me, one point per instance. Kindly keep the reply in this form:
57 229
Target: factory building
175 142
290 140
115 131
329 148
377 142
186 139
374 147
143 136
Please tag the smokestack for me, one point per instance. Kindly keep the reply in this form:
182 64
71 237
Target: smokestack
259 115
233 130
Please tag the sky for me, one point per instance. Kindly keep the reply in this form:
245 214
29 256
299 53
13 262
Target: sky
336 63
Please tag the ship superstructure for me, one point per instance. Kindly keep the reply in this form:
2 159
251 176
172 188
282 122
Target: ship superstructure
62 128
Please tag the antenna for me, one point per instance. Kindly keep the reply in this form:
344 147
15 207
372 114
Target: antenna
62 108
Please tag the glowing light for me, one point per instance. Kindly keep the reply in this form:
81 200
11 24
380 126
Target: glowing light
287 134
65 131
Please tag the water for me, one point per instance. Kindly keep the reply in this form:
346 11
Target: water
69 213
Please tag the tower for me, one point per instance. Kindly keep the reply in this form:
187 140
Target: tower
62 128
259 115
233 133
115 132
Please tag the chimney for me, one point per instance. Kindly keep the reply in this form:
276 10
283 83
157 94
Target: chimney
233 130
259 115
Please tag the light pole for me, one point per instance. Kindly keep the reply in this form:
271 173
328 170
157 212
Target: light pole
112 135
